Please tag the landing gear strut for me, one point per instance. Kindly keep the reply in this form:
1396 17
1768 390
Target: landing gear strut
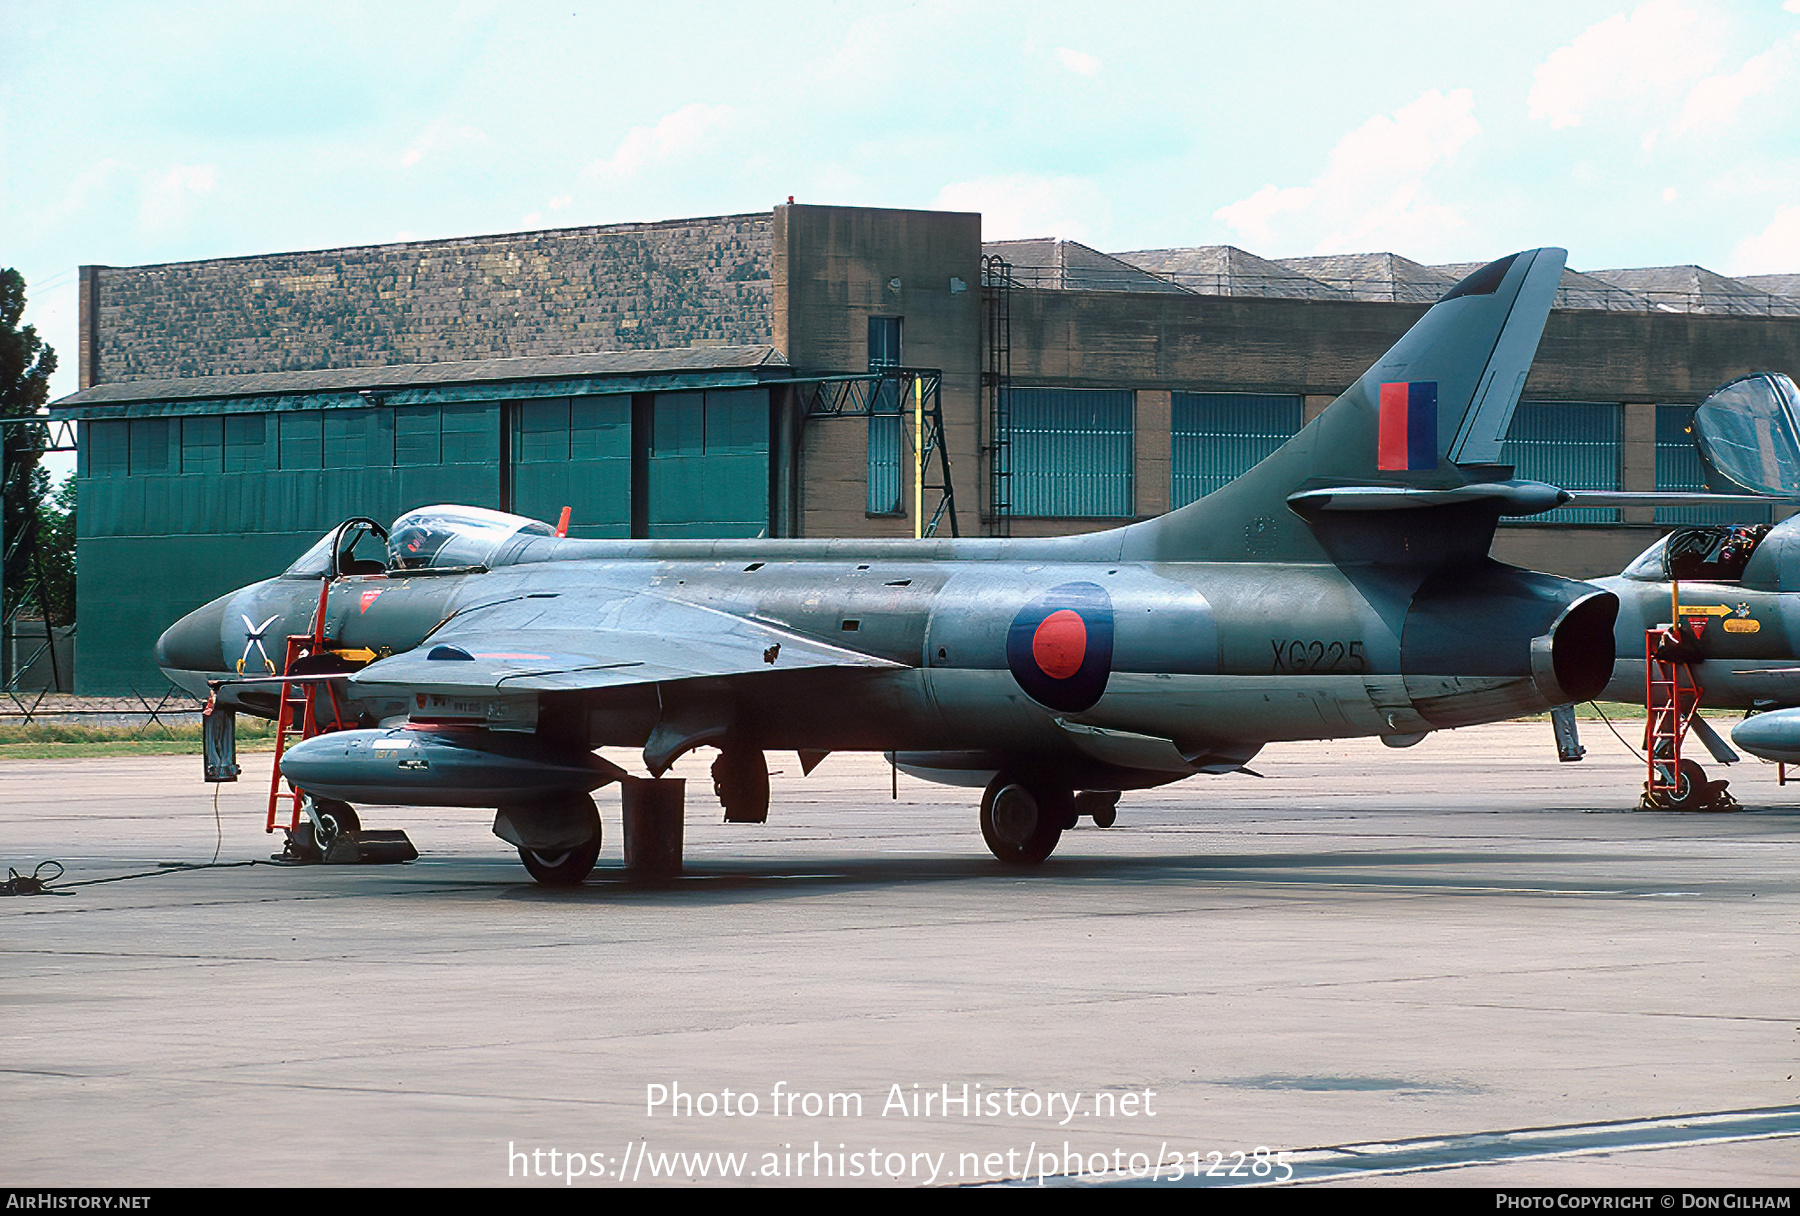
1022 818
323 823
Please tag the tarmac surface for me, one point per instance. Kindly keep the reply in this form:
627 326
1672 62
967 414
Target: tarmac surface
1459 964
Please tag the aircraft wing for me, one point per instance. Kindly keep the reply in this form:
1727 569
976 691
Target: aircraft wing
596 639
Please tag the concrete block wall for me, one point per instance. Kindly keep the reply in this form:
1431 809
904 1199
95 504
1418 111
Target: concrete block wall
834 268
702 282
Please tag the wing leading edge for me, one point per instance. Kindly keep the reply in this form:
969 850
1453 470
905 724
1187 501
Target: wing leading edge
595 639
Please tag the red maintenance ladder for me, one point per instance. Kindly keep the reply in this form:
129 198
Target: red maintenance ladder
1671 698
298 717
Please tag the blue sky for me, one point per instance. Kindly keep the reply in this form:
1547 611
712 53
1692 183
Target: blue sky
1633 134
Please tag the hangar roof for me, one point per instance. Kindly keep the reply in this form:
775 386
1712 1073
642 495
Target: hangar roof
1226 270
1072 266
423 383
1376 276
1697 289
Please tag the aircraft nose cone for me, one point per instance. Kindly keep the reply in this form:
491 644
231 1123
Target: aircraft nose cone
193 643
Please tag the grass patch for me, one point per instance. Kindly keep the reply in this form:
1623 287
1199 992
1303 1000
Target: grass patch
53 740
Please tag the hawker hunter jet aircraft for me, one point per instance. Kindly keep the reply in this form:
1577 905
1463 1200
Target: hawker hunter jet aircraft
1340 588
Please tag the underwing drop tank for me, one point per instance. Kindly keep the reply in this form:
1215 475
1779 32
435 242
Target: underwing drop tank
409 766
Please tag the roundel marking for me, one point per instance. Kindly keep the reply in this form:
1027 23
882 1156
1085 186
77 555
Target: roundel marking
1060 646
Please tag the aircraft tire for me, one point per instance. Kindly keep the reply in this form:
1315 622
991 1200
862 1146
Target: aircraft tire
566 867
741 781
1690 789
1022 819
336 818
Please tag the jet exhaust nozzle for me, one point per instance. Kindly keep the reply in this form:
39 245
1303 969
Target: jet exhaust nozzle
1579 649
1496 642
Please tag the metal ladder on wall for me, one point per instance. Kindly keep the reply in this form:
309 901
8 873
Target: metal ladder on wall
298 717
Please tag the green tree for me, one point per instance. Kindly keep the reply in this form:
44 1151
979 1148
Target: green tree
56 552
25 367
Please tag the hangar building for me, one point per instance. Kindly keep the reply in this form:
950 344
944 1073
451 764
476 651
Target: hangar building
735 376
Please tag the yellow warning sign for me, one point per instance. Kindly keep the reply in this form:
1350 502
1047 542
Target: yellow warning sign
1704 610
1740 625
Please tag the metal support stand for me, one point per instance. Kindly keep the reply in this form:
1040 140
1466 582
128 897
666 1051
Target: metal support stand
653 810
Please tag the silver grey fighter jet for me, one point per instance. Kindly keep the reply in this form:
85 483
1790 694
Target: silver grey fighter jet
1340 588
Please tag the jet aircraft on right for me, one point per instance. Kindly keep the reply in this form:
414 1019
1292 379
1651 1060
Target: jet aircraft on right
1733 590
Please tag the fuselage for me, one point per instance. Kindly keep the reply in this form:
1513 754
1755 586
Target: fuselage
1015 648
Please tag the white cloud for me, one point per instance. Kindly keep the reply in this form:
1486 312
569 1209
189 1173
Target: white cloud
1774 250
686 132
1654 49
1254 218
441 135
1717 99
1372 189
1078 62
1022 205
169 195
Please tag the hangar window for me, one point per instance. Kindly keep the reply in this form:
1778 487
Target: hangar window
1072 452
600 428
150 445
887 426
301 444
470 434
1216 437
541 430
1572 444
358 439
679 428
887 452
203 444
416 437
1678 468
105 449
246 443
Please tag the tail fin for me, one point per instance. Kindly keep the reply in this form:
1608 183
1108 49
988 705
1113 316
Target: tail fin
1429 411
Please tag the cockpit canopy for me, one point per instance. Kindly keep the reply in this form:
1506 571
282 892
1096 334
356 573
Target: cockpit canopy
1712 554
429 538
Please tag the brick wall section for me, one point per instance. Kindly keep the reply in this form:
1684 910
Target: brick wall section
679 283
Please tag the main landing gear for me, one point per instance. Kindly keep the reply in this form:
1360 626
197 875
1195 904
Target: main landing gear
741 780
1024 816
567 865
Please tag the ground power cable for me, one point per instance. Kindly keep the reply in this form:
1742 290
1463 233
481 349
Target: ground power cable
1629 746
35 884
